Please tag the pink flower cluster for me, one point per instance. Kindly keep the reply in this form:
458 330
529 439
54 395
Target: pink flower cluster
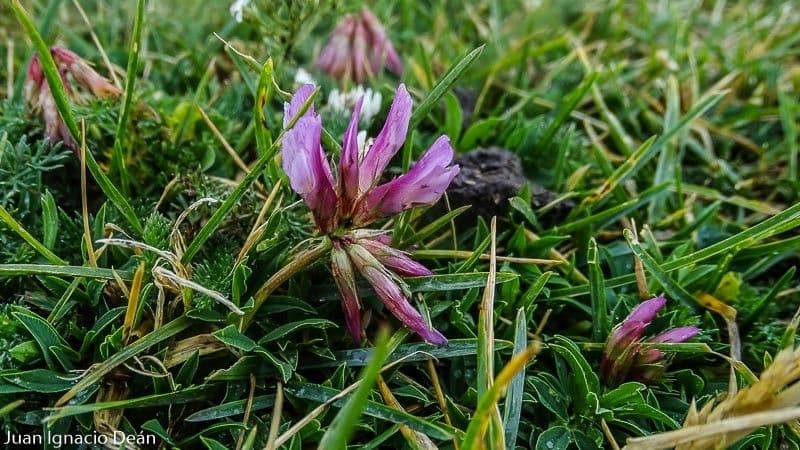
39 96
343 206
358 49
625 356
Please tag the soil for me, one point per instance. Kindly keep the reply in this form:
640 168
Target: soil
489 177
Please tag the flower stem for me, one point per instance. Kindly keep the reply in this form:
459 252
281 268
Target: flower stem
298 263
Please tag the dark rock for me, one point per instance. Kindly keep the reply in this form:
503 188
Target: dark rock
489 177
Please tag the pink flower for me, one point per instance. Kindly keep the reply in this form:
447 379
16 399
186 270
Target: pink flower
624 356
358 49
83 73
355 199
39 96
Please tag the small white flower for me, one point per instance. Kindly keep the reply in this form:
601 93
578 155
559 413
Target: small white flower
237 9
302 77
343 102
364 144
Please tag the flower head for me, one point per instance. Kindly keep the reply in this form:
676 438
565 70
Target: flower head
39 96
83 73
343 206
625 355
237 9
358 49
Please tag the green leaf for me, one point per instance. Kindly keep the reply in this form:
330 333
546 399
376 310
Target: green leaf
783 221
188 370
478 131
434 226
525 209
229 409
49 220
10 270
584 379
554 438
672 288
36 380
451 282
453 117
764 301
232 337
45 335
194 394
15 226
443 86
346 420
212 444
600 320
117 155
567 106
549 396
609 214
512 410
420 351
291 327
623 395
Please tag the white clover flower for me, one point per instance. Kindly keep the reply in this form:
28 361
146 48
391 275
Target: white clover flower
342 102
237 9
302 77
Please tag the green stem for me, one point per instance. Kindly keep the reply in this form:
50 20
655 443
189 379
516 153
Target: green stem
298 263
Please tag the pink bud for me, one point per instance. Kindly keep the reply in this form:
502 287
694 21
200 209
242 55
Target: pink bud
397 261
83 73
345 280
388 290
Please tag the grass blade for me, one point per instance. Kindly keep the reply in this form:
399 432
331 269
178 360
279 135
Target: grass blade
443 86
118 156
513 406
600 320
343 425
15 226
488 401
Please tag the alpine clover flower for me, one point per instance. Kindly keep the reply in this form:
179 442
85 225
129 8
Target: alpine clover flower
343 206
39 96
626 354
358 49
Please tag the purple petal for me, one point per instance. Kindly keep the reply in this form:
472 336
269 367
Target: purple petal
423 184
298 99
393 59
345 279
676 335
382 47
388 140
361 69
647 310
335 57
623 335
33 80
348 165
398 261
391 294
308 171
